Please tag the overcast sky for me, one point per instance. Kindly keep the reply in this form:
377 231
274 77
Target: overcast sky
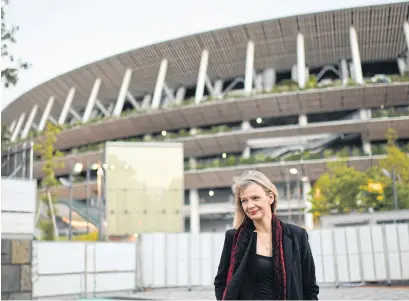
58 36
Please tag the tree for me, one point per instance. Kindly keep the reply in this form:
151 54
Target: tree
49 155
336 190
343 189
396 161
10 65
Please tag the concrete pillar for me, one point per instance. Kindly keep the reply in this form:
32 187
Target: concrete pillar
19 124
301 61
146 101
366 145
406 32
363 114
122 93
344 71
46 114
269 79
192 163
302 120
67 106
308 217
401 66
248 80
245 125
246 152
218 87
157 95
258 82
356 57
294 74
29 122
91 101
201 77
180 95
194 211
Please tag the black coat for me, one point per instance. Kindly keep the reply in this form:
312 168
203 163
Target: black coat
299 266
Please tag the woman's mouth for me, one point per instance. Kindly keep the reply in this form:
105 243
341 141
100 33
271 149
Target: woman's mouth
253 212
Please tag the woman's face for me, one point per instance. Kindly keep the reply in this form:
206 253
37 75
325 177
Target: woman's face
256 203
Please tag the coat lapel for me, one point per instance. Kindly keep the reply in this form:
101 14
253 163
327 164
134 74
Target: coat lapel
233 288
288 256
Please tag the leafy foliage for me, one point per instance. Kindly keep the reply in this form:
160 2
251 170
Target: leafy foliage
343 189
10 65
49 155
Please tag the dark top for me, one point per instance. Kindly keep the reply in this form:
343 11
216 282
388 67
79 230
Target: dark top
265 267
299 268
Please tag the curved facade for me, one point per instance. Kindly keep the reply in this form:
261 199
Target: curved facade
273 95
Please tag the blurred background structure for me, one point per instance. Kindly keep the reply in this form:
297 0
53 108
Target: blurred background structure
141 148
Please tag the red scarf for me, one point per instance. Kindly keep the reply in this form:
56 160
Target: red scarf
237 254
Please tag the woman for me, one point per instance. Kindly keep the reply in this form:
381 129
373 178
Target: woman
263 258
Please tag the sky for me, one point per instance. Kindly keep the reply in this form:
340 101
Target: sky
58 36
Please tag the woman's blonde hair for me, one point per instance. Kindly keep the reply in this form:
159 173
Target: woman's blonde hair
247 178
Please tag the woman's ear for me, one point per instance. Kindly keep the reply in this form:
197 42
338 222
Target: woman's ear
271 199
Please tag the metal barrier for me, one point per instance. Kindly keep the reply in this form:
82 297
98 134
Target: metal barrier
164 260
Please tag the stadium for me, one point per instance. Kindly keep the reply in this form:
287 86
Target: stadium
277 96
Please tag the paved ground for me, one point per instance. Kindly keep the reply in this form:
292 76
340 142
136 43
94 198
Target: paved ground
326 293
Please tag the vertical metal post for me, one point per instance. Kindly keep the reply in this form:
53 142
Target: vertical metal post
399 251
100 207
373 253
87 180
71 181
189 262
334 250
15 159
395 194
299 197
24 161
358 242
386 255
288 198
347 255
86 270
31 173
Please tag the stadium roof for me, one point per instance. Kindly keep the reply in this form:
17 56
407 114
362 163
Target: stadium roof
326 35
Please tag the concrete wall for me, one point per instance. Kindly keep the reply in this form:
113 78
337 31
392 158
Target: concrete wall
18 199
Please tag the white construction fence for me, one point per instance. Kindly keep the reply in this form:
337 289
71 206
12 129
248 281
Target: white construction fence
87 269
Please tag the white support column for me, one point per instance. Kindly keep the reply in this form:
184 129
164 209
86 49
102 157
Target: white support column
91 100
402 67
180 95
201 77
302 120
308 217
245 125
16 131
101 108
294 75
12 126
363 114
29 122
406 31
248 80
269 79
122 93
356 58
366 145
258 82
146 101
246 154
192 163
157 95
194 211
46 113
67 106
344 71
300 61
218 87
